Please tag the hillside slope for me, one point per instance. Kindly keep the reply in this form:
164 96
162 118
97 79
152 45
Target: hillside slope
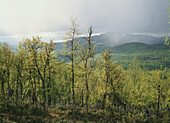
155 56
137 47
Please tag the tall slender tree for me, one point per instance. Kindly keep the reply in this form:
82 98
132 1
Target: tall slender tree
71 52
87 54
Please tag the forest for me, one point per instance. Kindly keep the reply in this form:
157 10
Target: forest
38 84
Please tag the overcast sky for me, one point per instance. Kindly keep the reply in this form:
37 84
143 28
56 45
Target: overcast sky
39 16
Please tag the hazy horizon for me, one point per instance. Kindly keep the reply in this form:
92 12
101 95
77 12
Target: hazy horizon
51 18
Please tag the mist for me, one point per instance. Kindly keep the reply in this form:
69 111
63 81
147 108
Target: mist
21 17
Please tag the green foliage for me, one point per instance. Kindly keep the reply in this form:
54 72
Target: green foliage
153 59
167 41
34 83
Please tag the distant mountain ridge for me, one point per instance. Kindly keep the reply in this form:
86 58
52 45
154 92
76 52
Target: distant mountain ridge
115 40
111 40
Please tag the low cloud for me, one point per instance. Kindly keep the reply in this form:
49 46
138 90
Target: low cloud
34 16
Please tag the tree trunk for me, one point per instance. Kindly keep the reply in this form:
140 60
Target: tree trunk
72 71
49 86
35 88
73 96
8 75
2 89
104 101
158 101
17 86
44 95
69 96
82 99
87 87
43 83
21 89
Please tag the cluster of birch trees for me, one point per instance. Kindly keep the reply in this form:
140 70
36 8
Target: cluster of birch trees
36 74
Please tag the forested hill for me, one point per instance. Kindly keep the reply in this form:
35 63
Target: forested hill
137 47
155 56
